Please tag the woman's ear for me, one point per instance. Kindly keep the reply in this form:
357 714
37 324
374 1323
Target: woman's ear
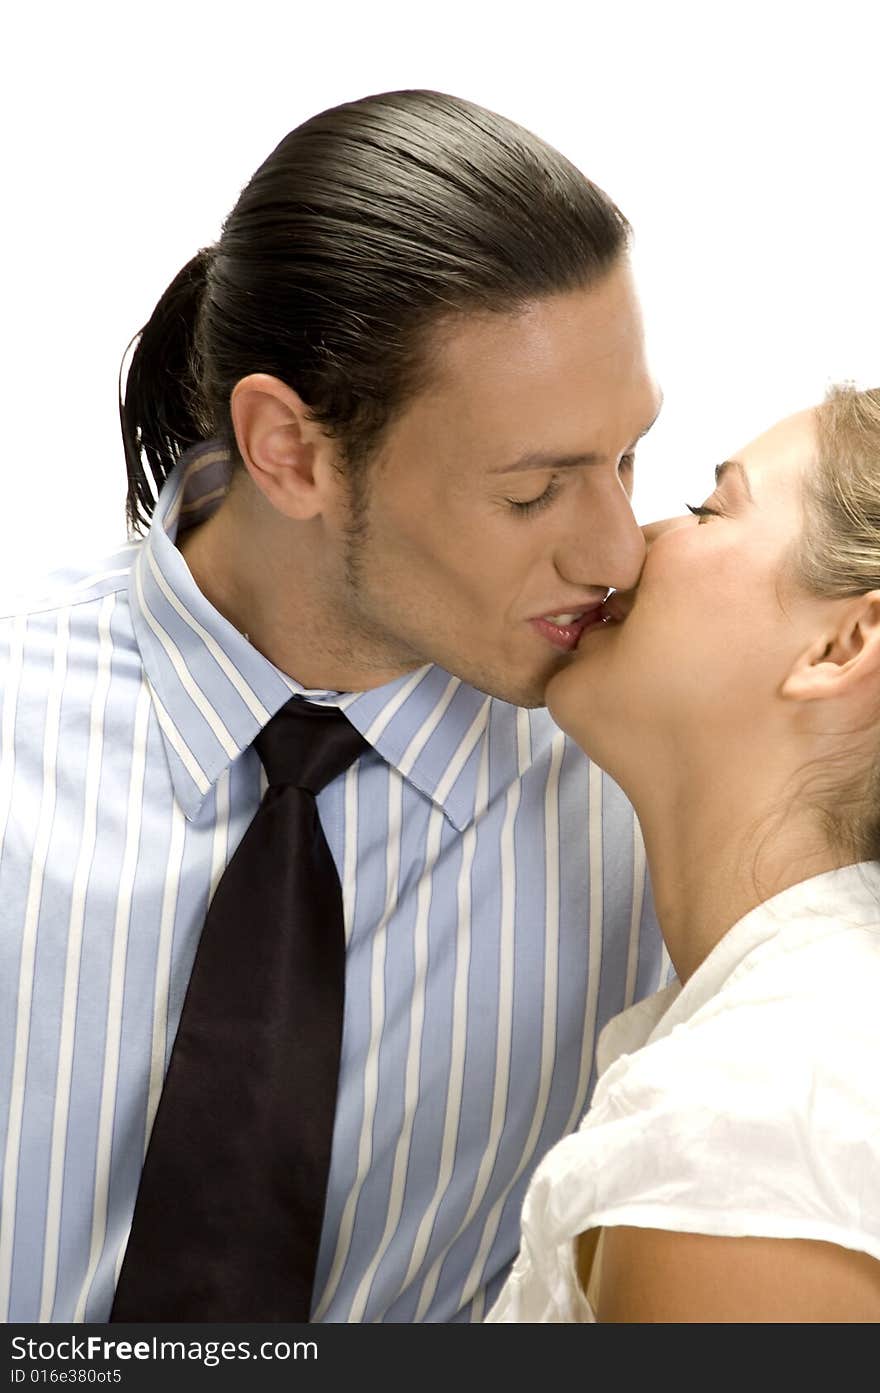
846 654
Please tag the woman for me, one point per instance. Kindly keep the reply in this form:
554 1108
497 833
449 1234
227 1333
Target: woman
730 1159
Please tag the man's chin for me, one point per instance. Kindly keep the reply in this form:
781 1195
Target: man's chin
529 695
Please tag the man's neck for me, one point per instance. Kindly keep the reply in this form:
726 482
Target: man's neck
276 595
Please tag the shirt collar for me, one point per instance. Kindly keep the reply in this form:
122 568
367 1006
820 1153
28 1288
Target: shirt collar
213 692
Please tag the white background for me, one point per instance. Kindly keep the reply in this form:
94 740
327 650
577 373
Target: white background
741 140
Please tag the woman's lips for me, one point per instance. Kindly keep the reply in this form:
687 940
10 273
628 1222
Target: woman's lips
618 605
566 636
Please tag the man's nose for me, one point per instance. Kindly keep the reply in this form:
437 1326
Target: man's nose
604 549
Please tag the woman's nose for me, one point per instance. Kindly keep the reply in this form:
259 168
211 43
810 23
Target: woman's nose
652 530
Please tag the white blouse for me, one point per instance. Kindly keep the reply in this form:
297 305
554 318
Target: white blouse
745 1103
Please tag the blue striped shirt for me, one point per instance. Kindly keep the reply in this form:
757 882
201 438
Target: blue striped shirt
496 916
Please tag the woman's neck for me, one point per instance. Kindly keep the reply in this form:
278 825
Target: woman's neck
719 847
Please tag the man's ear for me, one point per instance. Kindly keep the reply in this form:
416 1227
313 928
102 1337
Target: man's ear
845 655
284 451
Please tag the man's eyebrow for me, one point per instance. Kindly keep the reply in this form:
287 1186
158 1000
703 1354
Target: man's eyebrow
725 467
545 459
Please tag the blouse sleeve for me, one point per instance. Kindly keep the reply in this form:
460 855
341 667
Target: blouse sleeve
757 1116
757 1119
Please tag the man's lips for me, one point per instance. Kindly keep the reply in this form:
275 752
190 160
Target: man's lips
564 631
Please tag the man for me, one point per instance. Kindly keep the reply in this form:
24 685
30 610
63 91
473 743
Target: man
416 359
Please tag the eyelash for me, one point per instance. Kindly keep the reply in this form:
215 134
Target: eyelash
534 505
703 512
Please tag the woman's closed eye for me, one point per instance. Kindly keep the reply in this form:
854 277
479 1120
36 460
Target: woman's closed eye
704 511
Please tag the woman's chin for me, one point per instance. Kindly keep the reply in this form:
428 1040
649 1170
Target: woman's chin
587 715
567 699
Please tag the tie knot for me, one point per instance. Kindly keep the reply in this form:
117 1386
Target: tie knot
308 746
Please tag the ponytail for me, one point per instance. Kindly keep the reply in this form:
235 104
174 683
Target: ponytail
161 414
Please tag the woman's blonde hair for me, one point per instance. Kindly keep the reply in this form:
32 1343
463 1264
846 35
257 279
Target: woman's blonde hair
840 548
839 555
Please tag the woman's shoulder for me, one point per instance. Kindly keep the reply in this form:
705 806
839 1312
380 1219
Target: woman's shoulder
792 1028
810 958
756 1109
746 1103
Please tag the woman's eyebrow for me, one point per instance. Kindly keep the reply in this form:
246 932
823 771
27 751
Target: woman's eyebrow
728 464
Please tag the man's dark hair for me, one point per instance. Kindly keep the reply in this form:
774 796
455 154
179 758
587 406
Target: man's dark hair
368 226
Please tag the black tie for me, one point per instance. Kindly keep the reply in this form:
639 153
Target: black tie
228 1216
